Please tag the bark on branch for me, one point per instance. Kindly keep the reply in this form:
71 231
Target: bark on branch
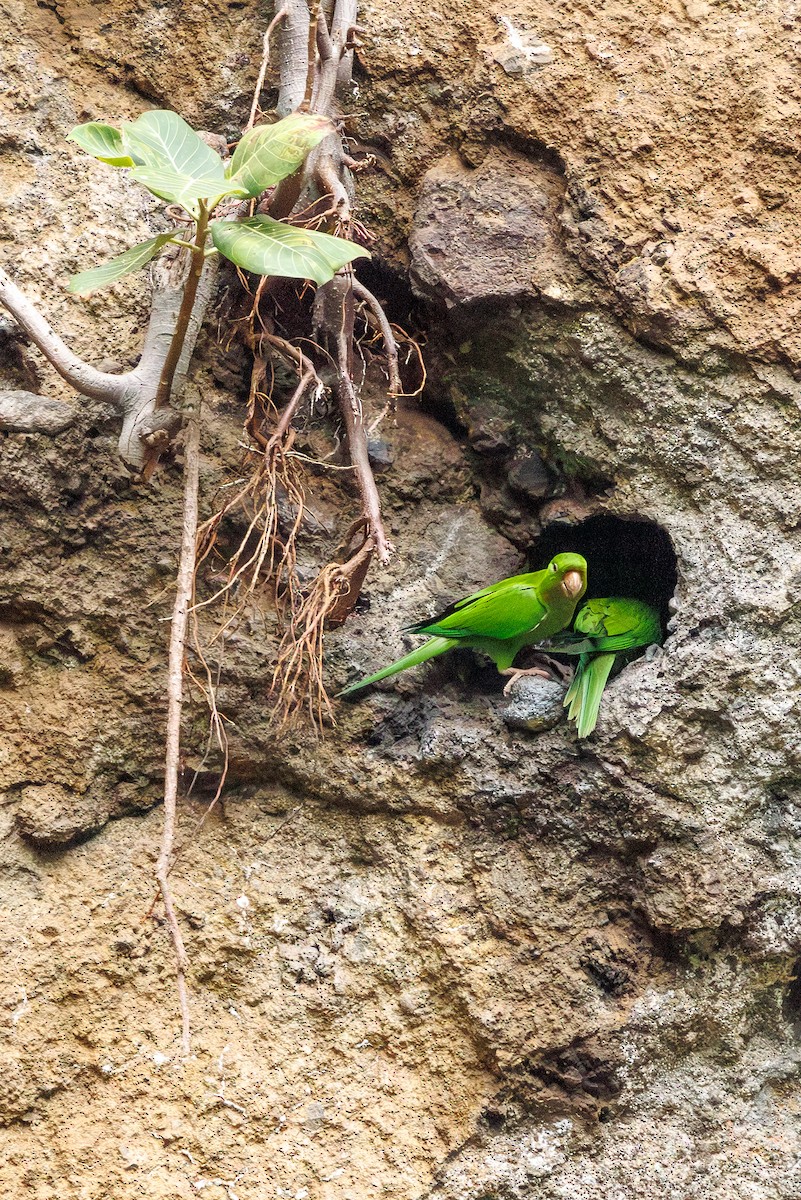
293 67
133 393
98 385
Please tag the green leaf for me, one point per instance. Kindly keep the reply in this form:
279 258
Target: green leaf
184 189
163 140
103 142
109 272
269 153
270 247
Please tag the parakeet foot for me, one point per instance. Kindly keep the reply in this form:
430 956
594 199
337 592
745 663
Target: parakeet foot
547 668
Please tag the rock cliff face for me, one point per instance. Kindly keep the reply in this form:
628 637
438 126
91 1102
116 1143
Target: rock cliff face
446 950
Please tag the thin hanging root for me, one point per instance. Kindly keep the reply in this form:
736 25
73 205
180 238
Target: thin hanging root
353 419
273 556
418 391
391 337
282 428
217 732
217 737
265 62
390 345
274 469
298 677
183 599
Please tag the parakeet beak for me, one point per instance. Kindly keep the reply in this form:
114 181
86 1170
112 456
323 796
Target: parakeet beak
573 583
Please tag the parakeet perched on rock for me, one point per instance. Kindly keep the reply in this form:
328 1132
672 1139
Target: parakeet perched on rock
500 619
606 633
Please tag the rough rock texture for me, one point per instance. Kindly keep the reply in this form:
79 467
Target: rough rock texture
446 950
26 412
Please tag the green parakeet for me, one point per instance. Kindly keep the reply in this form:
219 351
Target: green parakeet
605 633
500 619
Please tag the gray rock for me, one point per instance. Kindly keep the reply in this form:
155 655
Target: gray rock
27 412
529 478
489 232
51 815
536 704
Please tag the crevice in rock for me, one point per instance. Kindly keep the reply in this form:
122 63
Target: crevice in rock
579 1080
791 1002
393 291
404 308
539 152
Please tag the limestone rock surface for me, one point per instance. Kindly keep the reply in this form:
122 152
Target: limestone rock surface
438 952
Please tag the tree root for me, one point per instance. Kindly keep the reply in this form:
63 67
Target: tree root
298 683
315 50
265 62
266 553
175 681
390 345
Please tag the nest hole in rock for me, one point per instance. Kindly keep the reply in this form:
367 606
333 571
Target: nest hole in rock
626 556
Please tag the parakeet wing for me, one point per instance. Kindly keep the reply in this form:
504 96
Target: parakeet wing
618 623
612 624
504 610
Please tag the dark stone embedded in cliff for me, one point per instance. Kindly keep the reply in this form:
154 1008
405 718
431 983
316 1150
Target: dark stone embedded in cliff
490 232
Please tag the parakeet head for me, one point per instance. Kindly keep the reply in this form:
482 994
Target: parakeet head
569 573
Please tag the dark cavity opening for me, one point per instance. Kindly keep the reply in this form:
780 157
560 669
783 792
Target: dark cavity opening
393 291
791 1002
625 557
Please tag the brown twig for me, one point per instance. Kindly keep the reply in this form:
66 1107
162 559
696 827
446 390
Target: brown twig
265 62
353 417
288 415
183 600
185 311
390 345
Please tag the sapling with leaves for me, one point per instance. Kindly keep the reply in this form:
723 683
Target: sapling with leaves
165 155
174 163
253 210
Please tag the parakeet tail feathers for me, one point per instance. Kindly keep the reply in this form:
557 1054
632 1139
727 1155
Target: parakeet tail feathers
586 690
429 649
